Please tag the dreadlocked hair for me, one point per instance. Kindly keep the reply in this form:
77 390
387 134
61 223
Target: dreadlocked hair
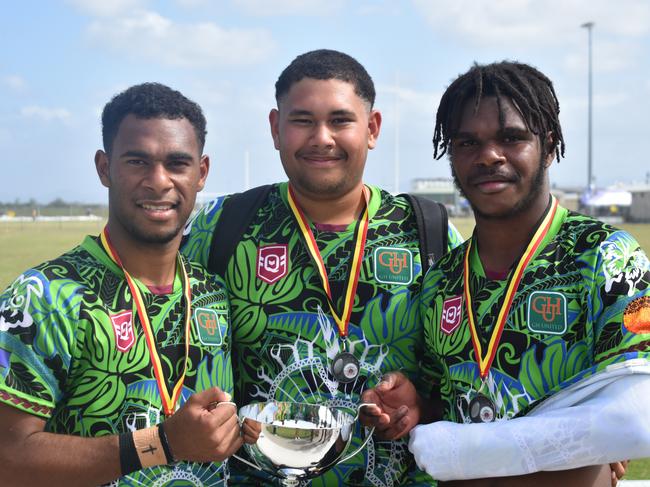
528 89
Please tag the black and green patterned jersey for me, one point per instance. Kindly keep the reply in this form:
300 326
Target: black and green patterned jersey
284 337
72 353
583 303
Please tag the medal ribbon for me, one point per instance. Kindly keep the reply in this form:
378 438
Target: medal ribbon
485 362
168 401
361 230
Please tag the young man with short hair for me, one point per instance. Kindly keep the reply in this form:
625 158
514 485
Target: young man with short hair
114 357
323 281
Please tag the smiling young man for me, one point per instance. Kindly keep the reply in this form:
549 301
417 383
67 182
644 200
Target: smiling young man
322 282
114 357
537 329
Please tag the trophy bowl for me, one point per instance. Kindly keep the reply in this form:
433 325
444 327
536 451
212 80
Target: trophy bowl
298 441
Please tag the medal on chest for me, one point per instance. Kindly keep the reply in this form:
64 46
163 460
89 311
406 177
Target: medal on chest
345 366
482 408
169 398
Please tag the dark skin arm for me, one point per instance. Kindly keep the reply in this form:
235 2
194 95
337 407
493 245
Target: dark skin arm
398 407
31 456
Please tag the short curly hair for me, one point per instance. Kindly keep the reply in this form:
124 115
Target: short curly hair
150 100
325 64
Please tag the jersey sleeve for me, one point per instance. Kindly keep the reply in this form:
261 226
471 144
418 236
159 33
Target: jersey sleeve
454 238
197 237
37 331
620 301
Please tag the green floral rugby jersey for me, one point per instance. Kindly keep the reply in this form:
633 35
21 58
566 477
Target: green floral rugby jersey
284 337
71 352
583 303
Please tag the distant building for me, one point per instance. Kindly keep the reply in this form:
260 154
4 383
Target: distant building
444 191
568 197
611 204
640 207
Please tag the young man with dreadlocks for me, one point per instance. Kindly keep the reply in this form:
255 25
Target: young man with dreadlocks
537 329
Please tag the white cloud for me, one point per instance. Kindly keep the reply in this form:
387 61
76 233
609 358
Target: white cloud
44 113
107 8
14 82
534 23
150 36
290 7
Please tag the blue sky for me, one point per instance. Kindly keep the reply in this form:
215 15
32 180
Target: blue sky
61 61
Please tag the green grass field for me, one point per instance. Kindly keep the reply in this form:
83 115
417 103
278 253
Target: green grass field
25 244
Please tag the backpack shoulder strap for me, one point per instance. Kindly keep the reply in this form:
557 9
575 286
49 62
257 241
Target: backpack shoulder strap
431 219
236 215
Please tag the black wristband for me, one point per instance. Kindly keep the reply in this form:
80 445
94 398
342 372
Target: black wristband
129 460
165 444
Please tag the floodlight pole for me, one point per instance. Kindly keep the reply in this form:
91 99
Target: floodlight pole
589 26
396 165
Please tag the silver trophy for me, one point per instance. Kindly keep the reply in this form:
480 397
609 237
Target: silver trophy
299 441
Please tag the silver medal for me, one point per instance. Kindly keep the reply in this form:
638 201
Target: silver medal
481 409
345 367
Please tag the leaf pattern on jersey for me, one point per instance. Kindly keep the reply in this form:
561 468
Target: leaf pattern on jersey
68 355
278 344
529 366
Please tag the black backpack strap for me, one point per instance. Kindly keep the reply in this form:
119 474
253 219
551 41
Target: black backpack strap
431 219
236 215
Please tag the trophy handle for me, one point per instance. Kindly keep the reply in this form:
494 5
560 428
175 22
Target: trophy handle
363 404
368 436
250 464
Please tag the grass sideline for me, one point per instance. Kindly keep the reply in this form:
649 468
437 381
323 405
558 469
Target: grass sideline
24 244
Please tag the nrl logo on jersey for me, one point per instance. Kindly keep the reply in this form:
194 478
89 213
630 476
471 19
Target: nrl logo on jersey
393 265
452 314
272 262
211 325
123 329
547 312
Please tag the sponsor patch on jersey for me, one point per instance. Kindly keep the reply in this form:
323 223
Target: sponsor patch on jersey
393 265
123 329
452 314
636 316
272 262
547 312
211 325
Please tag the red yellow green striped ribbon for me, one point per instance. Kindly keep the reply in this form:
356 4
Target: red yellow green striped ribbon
485 361
168 401
342 320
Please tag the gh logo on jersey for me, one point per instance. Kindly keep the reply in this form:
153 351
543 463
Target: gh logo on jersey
211 325
547 312
452 314
123 329
393 265
272 262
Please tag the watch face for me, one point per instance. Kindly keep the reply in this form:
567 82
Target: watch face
345 367
482 410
